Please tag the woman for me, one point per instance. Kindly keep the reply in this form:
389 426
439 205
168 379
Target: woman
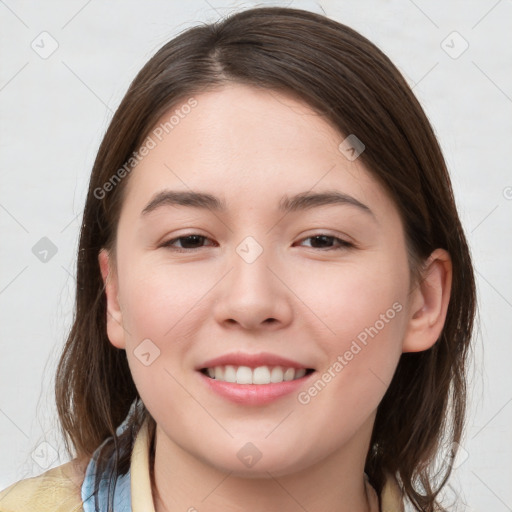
275 296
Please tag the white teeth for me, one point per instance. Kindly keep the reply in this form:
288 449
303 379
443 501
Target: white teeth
276 375
219 373
229 374
300 373
244 375
289 374
259 375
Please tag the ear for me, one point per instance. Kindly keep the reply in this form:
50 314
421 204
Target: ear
429 303
115 329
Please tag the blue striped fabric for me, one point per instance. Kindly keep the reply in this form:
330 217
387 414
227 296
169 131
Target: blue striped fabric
122 491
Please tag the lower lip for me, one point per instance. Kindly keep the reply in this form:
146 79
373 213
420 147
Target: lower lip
254 394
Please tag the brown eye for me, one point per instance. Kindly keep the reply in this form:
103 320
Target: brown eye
325 242
187 243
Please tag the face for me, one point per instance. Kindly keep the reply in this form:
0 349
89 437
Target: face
323 282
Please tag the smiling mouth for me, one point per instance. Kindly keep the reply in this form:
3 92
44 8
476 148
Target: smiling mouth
260 375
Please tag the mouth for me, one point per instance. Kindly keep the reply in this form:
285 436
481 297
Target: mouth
260 375
253 379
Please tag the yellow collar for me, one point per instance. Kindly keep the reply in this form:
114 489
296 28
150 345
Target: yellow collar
142 498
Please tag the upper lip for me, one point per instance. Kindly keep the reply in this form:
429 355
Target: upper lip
251 360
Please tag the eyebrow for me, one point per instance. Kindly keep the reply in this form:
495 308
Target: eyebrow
298 202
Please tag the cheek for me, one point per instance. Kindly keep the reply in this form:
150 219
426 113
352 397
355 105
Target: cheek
157 297
349 298
363 311
160 309
158 305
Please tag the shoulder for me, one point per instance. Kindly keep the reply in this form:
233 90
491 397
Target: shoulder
55 490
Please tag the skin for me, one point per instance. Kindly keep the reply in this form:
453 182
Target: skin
249 147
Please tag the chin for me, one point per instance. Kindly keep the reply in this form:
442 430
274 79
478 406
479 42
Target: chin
248 463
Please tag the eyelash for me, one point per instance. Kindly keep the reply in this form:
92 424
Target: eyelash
343 244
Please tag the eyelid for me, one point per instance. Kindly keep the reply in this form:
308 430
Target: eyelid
167 244
342 242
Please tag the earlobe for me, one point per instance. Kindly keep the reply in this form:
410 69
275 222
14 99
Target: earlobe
115 329
429 303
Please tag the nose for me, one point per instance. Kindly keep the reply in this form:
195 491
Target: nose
253 295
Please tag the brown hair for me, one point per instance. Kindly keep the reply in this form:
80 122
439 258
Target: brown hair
347 79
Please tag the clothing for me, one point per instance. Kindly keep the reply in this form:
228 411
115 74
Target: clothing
65 489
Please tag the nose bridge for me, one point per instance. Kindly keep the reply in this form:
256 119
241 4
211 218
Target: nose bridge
251 278
249 249
252 294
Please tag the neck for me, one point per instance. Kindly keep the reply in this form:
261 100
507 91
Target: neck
183 482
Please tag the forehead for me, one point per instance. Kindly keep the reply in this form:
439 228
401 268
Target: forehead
248 145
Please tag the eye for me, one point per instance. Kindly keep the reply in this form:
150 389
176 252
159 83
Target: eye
188 243
324 242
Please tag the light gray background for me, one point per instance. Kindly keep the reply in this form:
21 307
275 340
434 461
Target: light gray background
55 110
